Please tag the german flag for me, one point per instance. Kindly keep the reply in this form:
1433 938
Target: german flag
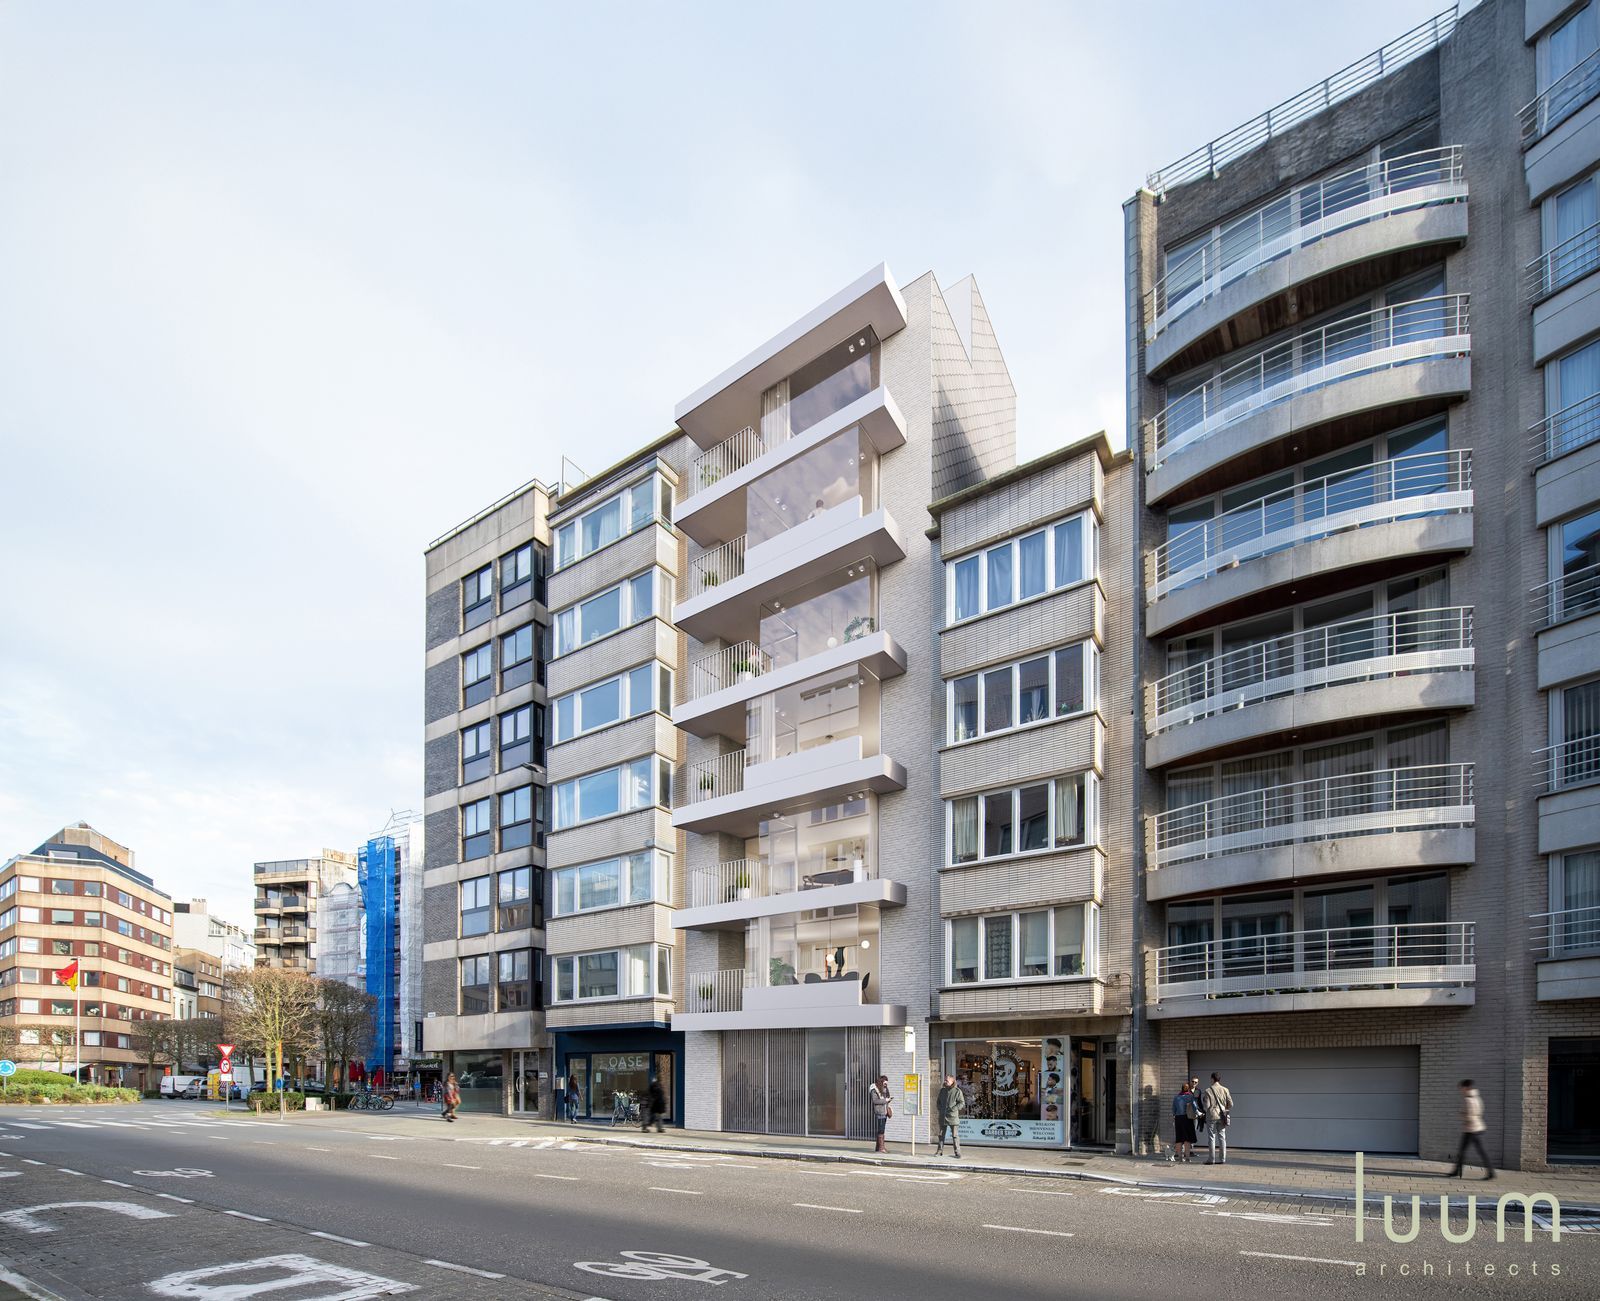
68 975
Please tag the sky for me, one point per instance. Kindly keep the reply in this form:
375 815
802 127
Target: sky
287 290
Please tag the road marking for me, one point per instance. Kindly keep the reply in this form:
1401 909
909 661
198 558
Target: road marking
1271 1217
65 1171
463 1269
1013 1228
116 1183
1310 1260
244 1215
687 1192
812 1206
319 1149
334 1237
26 1219
454 1166
379 1156
568 1178
25 1286
173 1197
1043 1192
28 1160
353 1285
23 1124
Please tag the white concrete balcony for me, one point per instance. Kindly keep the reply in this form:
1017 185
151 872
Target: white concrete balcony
739 1000
729 795
1419 660
727 895
1566 947
1361 215
1426 964
1371 822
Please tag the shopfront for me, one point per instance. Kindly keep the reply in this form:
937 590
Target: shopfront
603 1065
1048 1091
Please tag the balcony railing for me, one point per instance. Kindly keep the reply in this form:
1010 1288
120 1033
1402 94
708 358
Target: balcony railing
293 903
1348 81
1324 808
718 669
755 878
1546 112
1427 483
1301 217
718 991
1399 334
1566 431
1571 596
711 778
1409 643
718 565
1566 933
264 933
1568 262
1568 763
730 454
1410 956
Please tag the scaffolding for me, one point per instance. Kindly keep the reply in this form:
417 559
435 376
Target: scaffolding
390 873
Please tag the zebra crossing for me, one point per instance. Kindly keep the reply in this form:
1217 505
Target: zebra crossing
43 1121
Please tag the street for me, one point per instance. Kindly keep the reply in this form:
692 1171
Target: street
177 1200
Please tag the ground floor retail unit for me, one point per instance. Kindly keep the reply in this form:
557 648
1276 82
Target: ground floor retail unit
512 1081
601 1070
1035 1086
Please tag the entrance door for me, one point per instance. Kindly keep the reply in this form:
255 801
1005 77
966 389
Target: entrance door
663 1072
578 1074
1574 1078
525 1083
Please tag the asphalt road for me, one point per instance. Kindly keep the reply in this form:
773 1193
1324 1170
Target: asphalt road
385 1204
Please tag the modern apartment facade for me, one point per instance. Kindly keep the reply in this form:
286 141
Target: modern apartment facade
78 899
195 926
1359 449
485 806
287 895
616 864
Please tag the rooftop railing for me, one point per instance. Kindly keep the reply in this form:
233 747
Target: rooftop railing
1544 113
1571 596
1568 763
1565 264
1348 81
1301 217
1399 334
1565 933
1566 431
1425 483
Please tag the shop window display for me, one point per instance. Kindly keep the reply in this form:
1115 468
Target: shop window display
1016 1090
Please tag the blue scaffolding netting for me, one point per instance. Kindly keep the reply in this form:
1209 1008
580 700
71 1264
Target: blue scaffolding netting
376 873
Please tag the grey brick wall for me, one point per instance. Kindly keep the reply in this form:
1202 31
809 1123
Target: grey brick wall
444 615
442 690
441 838
441 764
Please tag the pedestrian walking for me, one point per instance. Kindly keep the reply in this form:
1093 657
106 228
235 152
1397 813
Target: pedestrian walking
882 1107
574 1102
1184 1111
1472 1127
948 1107
452 1097
655 1105
416 1090
1216 1105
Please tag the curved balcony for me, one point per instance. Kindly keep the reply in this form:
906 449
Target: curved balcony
1412 965
725 896
1378 821
1327 242
1387 366
1358 518
1419 660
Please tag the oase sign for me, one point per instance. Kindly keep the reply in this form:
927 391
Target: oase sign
622 1061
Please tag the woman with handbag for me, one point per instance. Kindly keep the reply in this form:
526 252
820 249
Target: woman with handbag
452 1097
882 1107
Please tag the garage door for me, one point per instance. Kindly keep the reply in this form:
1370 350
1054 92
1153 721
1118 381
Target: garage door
1319 1099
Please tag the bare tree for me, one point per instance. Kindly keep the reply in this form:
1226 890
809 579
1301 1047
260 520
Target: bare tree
344 1027
271 1009
159 1043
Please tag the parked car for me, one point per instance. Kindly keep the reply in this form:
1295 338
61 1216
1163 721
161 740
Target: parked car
176 1086
194 1090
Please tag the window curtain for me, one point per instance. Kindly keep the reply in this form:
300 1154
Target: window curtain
1580 728
964 830
966 588
775 414
1069 810
964 949
1030 554
1578 376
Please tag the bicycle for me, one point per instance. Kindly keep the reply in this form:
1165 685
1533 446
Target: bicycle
624 1109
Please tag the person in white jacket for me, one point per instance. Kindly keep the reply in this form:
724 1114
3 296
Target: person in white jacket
1472 1127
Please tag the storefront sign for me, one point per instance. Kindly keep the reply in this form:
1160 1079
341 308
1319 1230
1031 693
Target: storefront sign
1021 1133
1016 1091
622 1061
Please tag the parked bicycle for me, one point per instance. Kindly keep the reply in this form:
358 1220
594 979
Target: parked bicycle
624 1109
371 1102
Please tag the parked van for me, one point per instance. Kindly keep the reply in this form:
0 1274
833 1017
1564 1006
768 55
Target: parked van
174 1086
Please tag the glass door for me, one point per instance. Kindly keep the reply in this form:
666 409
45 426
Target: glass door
525 1083
578 1079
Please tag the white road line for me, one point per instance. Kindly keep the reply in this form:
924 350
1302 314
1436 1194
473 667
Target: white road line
65 1171
23 1124
568 1178
259 1219
1310 1260
378 1156
116 1183
687 1192
319 1149
24 1286
73 1124
334 1237
462 1269
28 1160
173 1197
454 1166
812 1206
1043 1192
1013 1228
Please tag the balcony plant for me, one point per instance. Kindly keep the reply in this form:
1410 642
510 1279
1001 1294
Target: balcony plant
780 972
741 885
706 992
744 669
706 781
710 578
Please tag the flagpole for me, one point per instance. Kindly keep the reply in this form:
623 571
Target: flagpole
77 1035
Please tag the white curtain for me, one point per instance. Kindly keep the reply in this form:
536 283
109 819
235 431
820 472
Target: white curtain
775 414
964 829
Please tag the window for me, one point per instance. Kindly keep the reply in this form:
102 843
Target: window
475 911
477 674
60 887
626 696
475 998
1034 691
1043 815
518 571
1575 899
612 610
623 789
62 916
599 526
1575 731
837 471
519 905
516 657
475 828
1038 944
514 987
636 878
639 971
1575 566
522 737
477 598
1021 568
517 826
476 758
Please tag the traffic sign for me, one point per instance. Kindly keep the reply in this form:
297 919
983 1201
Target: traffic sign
7 1067
226 1050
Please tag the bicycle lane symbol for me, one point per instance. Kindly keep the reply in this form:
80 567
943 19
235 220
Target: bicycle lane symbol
657 1266
182 1172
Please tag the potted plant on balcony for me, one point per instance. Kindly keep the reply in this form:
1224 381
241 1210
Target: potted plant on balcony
710 578
741 885
706 991
706 781
744 669
779 972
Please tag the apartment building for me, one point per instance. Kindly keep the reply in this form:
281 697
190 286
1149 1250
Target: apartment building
338 929
616 863
195 926
287 894
78 899
810 798
197 983
1033 869
485 806
1362 374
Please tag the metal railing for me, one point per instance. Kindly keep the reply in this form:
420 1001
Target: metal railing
293 933
757 878
1565 264
718 991
1377 802
293 901
715 670
723 775
732 453
1303 216
1568 763
1544 113
1566 431
1425 483
1410 643
264 932
1409 955
1571 596
718 565
1348 81
1399 334
1565 933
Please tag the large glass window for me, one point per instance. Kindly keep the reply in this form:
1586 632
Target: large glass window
1576 561
630 786
520 905
477 598
514 986
516 657
612 610
839 608
521 737
1577 718
475 988
806 487
630 972
475 910
477 674
477 758
518 825
476 823
1036 944
819 388
625 696
1020 568
1044 815
520 572
817 712
616 517
635 878
1034 691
